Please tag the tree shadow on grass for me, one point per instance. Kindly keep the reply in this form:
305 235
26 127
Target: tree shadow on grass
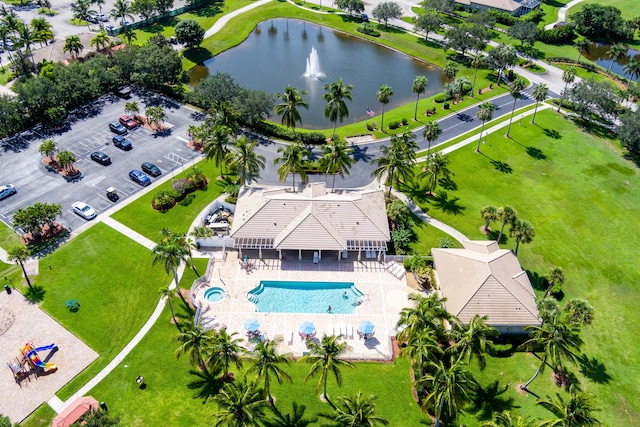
208 11
448 184
206 383
594 128
501 166
35 294
552 133
537 281
197 55
447 205
429 43
415 192
536 153
594 370
493 235
489 400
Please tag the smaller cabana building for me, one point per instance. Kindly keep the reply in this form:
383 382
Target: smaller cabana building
483 279
313 223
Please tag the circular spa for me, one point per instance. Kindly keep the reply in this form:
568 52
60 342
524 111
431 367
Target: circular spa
282 52
214 294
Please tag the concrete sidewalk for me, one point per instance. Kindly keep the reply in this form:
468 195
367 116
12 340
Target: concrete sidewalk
132 234
220 23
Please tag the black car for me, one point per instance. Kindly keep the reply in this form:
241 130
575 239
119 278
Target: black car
122 143
151 169
116 127
100 157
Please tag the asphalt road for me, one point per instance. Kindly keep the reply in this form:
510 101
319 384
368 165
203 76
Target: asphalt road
21 163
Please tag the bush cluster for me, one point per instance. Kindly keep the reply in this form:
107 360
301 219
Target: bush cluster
560 35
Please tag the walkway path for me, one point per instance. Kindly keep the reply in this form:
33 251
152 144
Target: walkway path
220 23
562 14
132 234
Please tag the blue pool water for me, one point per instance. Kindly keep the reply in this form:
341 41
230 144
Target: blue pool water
305 297
214 294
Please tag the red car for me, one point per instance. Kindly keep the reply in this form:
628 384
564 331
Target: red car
128 122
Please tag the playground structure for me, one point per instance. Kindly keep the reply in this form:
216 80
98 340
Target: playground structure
31 363
32 356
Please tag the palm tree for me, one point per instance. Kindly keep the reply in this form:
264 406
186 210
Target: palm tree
129 34
122 9
384 95
294 158
81 11
448 388
226 350
336 159
356 411
431 133
485 113
429 313
578 411
582 45
616 53
171 254
418 87
473 340
132 108
558 338
396 161
507 215
101 40
477 61
517 86
539 94
195 343
288 108
41 30
437 166
73 45
48 148
568 76
422 347
99 3
66 159
505 419
449 72
579 311
155 115
633 68
488 214
523 232
336 109
240 405
265 363
245 160
325 358
295 419
169 294
217 141
555 279
27 37
19 255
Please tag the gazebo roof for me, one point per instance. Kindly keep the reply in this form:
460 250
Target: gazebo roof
75 410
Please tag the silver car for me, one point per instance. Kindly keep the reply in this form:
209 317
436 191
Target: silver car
84 210
7 190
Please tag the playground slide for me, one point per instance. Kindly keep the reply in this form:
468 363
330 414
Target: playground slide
32 354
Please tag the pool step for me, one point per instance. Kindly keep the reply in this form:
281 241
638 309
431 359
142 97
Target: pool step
253 298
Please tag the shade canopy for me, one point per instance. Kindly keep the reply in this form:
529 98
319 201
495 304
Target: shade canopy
252 325
73 412
307 328
366 327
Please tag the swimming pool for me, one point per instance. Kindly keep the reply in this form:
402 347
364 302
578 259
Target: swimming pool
305 297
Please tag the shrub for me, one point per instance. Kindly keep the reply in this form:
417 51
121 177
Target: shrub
446 106
371 126
182 186
313 138
231 199
187 200
163 201
503 18
560 35
395 124
405 121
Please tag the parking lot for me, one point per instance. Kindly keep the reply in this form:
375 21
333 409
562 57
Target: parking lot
88 131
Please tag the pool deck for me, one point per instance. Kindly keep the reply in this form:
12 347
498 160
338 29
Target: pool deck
385 296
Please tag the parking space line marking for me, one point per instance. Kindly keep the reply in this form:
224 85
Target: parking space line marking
182 139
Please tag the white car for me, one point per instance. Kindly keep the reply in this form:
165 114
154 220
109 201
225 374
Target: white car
84 210
7 190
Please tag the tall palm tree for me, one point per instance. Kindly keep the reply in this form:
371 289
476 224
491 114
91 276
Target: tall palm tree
449 71
477 61
170 254
422 347
288 108
73 45
167 293
431 133
294 158
579 311
558 338
523 232
195 343
356 411
485 113
295 419
155 115
396 161
19 255
41 30
568 77
384 95
266 363
578 411
240 405
418 87
66 159
506 215
474 340
101 40
129 34
245 160
616 53
488 214
122 9
217 141
554 278
539 94
336 109
516 88
336 159
582 45
99 3
429 313
448 388
49 147
226 349
505 419
633 68
26 38
223 114
325 358
437 166
81 11
132 108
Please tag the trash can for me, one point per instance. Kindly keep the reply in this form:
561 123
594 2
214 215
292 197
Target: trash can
7 288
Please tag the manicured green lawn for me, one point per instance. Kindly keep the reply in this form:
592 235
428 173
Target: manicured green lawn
629 8
147 221
579 195
551 11
8 237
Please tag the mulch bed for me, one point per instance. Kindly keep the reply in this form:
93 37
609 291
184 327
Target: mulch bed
47 232
52 162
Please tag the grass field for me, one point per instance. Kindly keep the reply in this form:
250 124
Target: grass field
630 8
580 210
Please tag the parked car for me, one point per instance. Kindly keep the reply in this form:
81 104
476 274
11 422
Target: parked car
84 210
100 157
364 17
139 177
122 143
116 127
128 122
151 169
7 190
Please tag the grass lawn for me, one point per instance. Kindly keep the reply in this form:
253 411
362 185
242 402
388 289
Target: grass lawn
147 221
551 11
538 171
629 8
112 277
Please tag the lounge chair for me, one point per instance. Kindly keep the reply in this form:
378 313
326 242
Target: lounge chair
316 257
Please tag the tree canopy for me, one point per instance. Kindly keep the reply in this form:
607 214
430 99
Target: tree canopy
189 33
